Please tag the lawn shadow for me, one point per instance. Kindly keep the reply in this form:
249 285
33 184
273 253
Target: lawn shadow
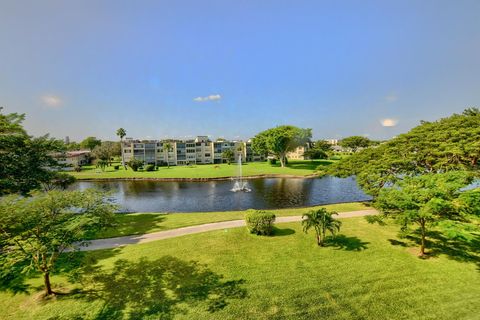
342 242
155 289
282 232
129 224
458 249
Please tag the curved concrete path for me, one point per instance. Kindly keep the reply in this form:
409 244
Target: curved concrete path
159 235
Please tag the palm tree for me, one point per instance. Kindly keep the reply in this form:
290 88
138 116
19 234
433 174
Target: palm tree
322 221
166 147
122 133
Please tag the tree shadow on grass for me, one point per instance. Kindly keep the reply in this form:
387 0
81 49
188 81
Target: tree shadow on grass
458 249
15 278
282 232
342 242
128 224
155 289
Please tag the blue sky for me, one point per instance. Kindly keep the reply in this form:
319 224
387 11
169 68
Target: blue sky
232 68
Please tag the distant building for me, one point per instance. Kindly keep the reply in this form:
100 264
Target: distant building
200 150
67 140
72 159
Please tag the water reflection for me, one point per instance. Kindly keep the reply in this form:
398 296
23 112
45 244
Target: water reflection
157 196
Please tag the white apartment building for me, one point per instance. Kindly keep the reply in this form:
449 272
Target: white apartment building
183 152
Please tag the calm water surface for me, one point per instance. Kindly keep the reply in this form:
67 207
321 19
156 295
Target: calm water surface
158 196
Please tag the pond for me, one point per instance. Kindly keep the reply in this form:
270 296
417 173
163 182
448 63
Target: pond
267 193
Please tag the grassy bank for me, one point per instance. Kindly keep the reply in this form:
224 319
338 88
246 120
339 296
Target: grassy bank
366 273
140 223
294 168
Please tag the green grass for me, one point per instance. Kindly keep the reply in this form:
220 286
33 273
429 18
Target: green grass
361 275
140 223
295 168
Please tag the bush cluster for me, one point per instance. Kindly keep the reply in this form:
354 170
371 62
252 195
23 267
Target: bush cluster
260 222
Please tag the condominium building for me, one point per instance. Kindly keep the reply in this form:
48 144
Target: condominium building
200 150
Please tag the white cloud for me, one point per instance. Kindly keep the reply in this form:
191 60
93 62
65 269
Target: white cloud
389 122
391 98
212 97
51 101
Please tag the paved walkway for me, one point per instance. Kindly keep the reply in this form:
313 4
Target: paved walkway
149 237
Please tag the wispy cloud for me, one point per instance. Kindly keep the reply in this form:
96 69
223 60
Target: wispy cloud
52 101
391 97
389 122
212 97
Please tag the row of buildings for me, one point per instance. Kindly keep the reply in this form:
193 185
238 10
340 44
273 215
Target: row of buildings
200 150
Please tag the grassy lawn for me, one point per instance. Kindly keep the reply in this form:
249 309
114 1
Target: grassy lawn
297 168
140 223
366 273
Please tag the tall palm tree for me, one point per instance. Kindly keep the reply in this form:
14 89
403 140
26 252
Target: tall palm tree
122 133
322 221
166 147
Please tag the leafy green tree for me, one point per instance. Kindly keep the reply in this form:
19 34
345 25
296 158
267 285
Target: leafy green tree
73 146
34 231
25 162
321 221
355 142
280 140
106 151
424 200
228 155
90 143
448 144
121 133
167 146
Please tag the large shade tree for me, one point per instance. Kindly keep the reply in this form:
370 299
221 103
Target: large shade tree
25 162
90 143
34 231
448 144
425 200
355 142
280 140
107 150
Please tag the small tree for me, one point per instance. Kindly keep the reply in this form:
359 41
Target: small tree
260 222
135 164
228 155
321 221
424 200
34 231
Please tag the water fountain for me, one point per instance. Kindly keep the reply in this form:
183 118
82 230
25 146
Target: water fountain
239 184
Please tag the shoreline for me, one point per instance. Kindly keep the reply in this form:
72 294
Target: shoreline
252 177
366 202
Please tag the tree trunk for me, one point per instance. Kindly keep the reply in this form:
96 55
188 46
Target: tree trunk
48 286
318 240
423 240
281 157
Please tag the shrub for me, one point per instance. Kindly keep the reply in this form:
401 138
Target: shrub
260 222
78 168
116 167
135 164
272 161
149 167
